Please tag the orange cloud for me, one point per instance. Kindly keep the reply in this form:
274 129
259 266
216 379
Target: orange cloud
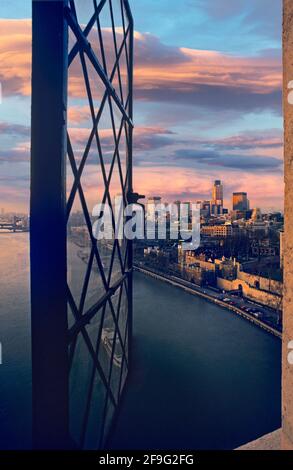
171 74
15 56
156 65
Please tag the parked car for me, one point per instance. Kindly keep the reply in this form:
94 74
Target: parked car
258 314
246 309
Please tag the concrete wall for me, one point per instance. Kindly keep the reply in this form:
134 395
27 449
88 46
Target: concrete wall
262 297
287 369
265 284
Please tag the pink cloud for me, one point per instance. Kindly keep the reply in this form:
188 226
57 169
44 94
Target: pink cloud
157 68
191 185
262 143
170 74
145 138
15 56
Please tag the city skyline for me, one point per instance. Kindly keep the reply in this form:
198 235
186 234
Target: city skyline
205 107
217 193
227 202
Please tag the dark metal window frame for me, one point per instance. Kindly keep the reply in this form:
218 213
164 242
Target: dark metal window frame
53 343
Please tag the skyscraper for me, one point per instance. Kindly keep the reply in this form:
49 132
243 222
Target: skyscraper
152 203
205 208
218 192
240 202
217 198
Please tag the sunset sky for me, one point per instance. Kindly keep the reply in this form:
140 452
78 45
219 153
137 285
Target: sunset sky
207 99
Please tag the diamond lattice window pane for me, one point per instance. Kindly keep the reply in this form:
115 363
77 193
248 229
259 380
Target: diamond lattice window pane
98 170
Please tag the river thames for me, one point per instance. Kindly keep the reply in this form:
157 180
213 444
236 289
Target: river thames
202 377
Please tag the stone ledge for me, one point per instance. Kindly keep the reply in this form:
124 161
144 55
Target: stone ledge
270 441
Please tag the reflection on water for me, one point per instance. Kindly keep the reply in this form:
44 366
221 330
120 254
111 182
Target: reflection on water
15 372
91 406
201 378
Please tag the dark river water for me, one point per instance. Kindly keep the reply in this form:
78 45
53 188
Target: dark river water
202 378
